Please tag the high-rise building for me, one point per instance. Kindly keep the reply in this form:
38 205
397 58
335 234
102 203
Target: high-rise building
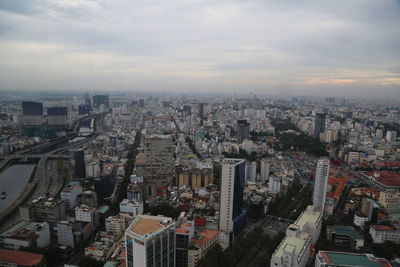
201 111
80 169
155 163
150 241
243 129
83 109
264 170
32 113
319 126
57 116
391 136
187 110
320 184
232 215
100 100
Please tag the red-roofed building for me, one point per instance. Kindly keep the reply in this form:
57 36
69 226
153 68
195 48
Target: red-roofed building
200 244
21 258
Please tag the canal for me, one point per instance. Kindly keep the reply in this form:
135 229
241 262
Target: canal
13 181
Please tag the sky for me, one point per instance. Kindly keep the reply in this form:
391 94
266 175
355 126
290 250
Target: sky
280 47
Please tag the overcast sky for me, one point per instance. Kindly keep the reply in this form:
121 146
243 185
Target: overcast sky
292 47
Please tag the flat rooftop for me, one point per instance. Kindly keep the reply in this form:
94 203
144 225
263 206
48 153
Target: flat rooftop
145 225
351 259
292 244
308 216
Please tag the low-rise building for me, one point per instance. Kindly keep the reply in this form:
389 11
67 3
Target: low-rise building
43 210
115 225
344 236
88 214
132 207
102 247
200 245
390 201
333 258
21 258
26 234
383 233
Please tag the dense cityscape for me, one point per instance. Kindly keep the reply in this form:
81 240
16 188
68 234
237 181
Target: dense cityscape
140 179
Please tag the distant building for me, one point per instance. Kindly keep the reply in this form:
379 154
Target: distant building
232 215
80 169
133 208
243 130
43 210
195 177
88 214
58 117
319 125
251 171
391 136
32 113
320 183
201 112
187 110
264 170
150 241
155 163
105 184
84 109
69 196
100 100
334 258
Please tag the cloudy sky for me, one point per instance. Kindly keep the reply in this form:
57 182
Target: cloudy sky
292 47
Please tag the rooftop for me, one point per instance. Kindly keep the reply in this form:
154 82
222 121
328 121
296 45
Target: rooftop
203 237
144 224
383 227
21 258
308 216
351 259
346 230
292 244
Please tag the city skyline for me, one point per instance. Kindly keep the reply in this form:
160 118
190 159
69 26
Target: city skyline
331 49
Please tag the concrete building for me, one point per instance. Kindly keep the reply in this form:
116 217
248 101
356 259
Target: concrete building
43 210
88 198
134 208
310 221
155 163
195 177
391 136
69 196
150 241
243 130
344 236
65 234
320 183
251 171
390 201
319 124
184 233
115 225
100 100
200 245
58 117
334 258
264 170
88 214
32 113
383 233
294 250
274 184
232 215
26 234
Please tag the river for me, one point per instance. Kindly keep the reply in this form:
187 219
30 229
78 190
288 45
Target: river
13 181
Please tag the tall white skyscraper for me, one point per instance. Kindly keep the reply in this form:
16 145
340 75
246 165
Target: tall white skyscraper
320 183
232 216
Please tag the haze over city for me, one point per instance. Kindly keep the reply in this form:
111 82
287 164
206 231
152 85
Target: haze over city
335 48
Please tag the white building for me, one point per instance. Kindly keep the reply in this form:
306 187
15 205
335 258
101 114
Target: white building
294 250
115 225
390 201
320 184
85 213
383 233
264 170
150 241
134 208
310 221
231 213
70 195
251 171
274 184
391 136
65 234
26 234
